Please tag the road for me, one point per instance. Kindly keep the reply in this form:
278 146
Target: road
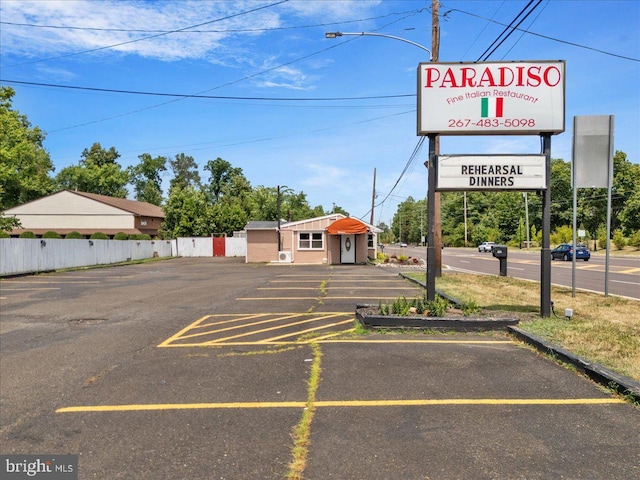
624 272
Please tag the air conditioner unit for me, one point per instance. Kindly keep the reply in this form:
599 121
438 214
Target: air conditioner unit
284 257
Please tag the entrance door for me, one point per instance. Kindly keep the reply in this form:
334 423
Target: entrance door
347 249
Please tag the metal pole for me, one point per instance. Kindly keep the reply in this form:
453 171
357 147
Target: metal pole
526 216
465 218
431 224
609 188
545 252
575 239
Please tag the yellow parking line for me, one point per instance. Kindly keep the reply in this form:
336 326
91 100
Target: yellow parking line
302 332
236 327
629 271
47 281
457 342
185 329
275 298
278 327
4 289
341 403
288 288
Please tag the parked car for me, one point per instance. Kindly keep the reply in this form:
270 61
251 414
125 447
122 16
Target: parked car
402 244
486 246
565 252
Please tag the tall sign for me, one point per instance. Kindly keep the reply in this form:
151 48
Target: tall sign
489 98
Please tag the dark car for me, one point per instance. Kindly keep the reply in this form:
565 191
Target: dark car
565 252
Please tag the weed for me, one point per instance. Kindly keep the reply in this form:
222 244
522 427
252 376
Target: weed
469 308
438 307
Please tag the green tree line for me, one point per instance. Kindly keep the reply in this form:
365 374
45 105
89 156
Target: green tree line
501 217
223 202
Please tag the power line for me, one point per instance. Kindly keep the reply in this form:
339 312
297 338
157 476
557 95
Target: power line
510 29
553 39
187 95
413 156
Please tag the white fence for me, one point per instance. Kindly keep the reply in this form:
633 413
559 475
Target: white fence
28 255
203 247
32 255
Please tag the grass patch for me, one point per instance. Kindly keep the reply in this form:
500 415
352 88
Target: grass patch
302 431
603 329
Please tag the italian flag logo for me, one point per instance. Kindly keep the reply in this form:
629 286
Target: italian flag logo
491 107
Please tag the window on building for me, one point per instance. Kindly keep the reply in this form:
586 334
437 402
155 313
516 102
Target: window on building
311 241
370 240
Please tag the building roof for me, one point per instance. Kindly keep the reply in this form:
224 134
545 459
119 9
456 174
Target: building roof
261 225
142 209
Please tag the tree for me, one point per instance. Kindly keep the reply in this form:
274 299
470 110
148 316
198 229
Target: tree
96 172
185 172
24 163
146 178
187 214
223 176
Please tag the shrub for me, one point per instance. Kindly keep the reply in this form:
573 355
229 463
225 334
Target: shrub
74 235
27 234
634 240
51 234
99 236
140 236
121 236
618 240
4 234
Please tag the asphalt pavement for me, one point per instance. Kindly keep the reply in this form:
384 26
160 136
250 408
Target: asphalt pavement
202 369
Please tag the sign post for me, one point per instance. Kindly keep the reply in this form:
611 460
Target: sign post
492 98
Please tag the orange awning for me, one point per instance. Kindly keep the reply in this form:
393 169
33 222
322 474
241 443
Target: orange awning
346 226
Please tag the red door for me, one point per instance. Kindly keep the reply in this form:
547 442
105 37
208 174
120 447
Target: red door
218 246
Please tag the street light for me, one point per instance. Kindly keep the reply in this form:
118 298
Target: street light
371 34
432 214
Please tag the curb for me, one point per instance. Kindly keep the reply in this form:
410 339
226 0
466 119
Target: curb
596 372
622 385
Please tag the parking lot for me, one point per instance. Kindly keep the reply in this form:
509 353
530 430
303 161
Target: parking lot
202 368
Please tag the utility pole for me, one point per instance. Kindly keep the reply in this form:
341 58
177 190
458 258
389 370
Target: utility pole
437 219
373 196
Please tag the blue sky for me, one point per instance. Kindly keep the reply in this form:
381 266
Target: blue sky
314 114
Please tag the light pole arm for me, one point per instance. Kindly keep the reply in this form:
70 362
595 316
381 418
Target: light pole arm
371 34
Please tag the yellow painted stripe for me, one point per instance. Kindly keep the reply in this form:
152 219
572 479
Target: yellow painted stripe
262 330
5 289
468 401
456 342
288 288
261 299
322 340
46 281
341 403
236 327
629 270
302 332
275 298
185 329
